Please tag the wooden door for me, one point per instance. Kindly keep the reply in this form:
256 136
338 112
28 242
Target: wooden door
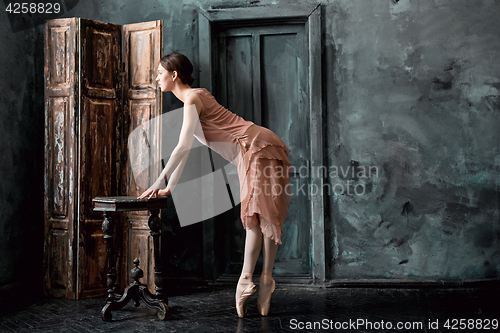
99 146
262 76
61 112
142 50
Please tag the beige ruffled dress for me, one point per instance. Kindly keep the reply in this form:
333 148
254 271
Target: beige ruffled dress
263 164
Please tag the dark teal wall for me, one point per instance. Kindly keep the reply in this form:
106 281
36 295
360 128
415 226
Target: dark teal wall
413 89
21 154
410 88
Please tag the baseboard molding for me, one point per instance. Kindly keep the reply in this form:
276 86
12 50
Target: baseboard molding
421 283
306 281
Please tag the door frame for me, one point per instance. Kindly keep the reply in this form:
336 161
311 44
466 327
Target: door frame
310 16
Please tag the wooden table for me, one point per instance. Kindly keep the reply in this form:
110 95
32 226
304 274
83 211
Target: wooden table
136 291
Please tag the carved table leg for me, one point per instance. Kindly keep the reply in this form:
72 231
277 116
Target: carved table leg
158 300
132 292
108 227
155 226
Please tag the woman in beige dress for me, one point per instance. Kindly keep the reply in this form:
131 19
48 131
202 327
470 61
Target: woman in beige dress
263 172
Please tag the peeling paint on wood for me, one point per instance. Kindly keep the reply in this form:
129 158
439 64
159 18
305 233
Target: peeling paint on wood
142 49
59 158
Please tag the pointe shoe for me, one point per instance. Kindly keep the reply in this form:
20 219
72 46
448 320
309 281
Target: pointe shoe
241 304
264 307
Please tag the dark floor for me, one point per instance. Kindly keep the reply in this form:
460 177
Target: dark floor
211 309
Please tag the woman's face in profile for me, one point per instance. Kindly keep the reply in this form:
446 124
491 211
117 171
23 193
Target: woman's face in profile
164 78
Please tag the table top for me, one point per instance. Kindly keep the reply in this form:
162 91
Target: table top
128 203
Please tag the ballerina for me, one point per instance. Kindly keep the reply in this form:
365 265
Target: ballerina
263 171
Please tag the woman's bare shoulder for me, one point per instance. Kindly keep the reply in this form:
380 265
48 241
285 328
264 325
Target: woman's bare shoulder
194 98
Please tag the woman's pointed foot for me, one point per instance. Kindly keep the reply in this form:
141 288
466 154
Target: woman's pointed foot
241 302
265 291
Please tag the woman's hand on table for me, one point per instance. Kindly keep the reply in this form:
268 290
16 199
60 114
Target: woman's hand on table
154 193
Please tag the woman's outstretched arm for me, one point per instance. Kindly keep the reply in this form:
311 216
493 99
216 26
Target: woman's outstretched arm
173 170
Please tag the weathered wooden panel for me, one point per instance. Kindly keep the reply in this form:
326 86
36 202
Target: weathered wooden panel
58 263
102 62
60 111
99 151
93 282
60 56
60 95
142 248
101 45
140 75
142 48
140 112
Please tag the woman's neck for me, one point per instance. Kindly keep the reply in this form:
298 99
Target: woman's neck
181 91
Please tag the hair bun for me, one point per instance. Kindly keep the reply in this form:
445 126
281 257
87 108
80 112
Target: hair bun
180 63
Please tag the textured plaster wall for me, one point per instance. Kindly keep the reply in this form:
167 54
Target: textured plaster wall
21 154
410 88
413 89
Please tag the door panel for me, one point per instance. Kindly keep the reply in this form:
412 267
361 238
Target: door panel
263 78
59 140
61 84
142 48
285 112
238 69
99 149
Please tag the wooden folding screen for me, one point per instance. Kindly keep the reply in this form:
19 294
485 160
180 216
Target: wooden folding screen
86 128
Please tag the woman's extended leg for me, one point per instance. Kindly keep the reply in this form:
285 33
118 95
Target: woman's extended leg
246 287
266 282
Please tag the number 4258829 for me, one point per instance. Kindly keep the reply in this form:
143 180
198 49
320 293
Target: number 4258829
33 8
